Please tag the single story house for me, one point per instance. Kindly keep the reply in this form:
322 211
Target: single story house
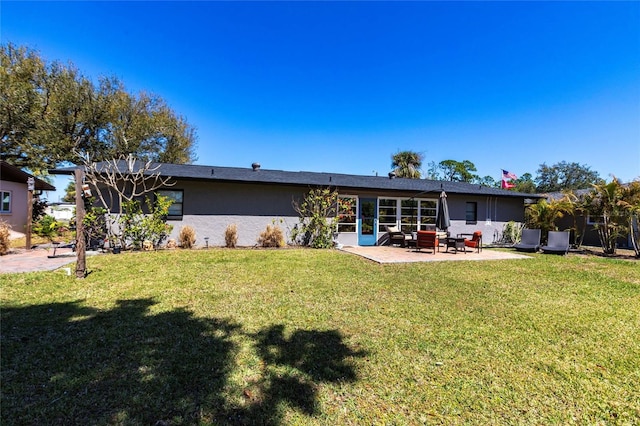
209 198
14 195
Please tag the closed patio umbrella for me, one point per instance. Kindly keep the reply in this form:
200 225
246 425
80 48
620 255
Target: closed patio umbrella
442 219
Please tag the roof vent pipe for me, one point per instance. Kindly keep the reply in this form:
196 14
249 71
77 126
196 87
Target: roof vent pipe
255 167
392 175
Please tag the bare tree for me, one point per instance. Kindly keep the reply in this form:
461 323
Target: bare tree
122 180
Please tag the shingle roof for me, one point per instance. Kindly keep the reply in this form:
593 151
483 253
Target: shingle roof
302 178
12 173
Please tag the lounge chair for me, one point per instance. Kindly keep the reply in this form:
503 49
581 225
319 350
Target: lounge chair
558 242
427 240
530 240
396 236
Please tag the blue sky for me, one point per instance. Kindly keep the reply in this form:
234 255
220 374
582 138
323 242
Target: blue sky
341 86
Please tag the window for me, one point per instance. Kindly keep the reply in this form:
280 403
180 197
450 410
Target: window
347 213
387 208
5 202
471 212
176 195
595 220
428 210
410 213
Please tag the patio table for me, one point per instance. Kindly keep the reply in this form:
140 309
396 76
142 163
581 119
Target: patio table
456 243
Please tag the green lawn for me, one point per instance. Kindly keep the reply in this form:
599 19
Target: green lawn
322 337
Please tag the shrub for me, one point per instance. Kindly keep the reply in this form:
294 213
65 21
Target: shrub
187 237
48 227
95 226
4 238
512 232
138 227
231 236
272 237
315 212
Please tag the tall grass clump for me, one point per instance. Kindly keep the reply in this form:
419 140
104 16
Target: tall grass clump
187 237
272 237
5 243
231 236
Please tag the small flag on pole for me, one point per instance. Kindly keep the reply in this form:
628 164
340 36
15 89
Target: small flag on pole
506 175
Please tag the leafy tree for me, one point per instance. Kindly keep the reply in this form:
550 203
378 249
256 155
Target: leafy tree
51 112
564 176
487 181
406 164
70 193
21 75
433 172
316 213
525 184
457 171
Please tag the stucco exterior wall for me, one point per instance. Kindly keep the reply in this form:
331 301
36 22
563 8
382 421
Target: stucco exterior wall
249 228
493 214
210 207
17 218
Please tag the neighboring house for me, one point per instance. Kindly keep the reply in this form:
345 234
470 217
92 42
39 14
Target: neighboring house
61 211
14 195
209 198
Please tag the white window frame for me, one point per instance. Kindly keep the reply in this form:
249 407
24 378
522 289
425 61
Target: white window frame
398 216
355 216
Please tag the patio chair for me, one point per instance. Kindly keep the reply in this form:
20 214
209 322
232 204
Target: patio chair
475 242
558 243
396 236
530 240
427 240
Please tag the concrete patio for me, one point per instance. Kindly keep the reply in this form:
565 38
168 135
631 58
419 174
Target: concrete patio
391 254
38 259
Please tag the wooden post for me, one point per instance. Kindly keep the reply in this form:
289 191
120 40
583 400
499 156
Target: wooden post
81 252
30 188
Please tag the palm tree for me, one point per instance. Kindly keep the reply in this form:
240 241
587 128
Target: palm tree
605 202
631 203
543 215
406 164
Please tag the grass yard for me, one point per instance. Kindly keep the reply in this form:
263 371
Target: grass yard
322 337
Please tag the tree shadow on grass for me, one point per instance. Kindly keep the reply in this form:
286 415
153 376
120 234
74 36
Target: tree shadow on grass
293 369
69 364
